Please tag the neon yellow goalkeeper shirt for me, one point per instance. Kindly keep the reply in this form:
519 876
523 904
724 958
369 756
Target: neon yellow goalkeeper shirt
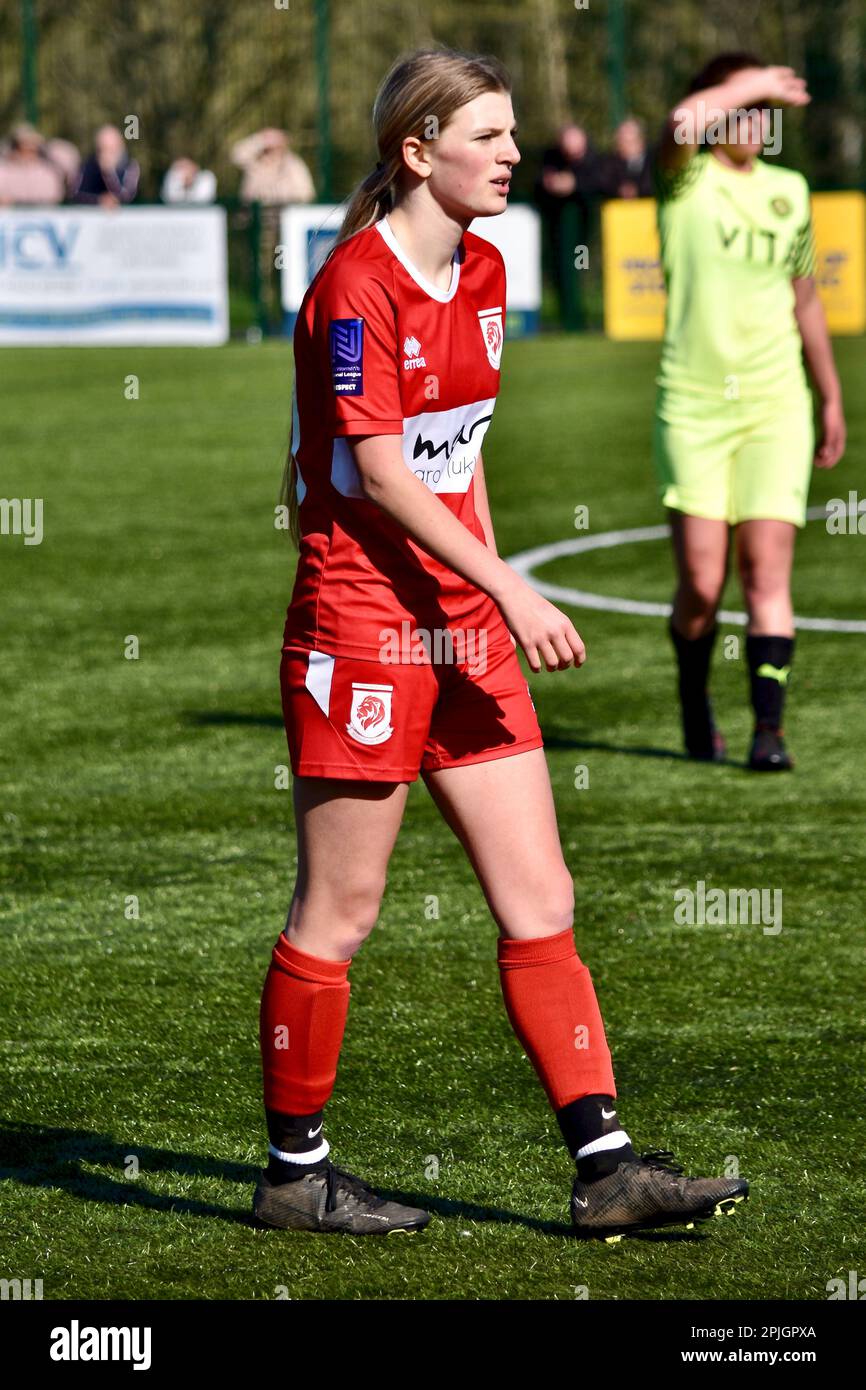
730 245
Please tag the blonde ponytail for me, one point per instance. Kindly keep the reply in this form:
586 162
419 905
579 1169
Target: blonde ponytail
289 496
372 199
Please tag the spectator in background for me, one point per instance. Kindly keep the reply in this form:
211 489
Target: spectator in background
626 172
571 174
68 160
27 174
186 182
109 176
272 173
273 176
570 169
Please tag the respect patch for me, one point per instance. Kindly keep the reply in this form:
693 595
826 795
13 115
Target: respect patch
346 340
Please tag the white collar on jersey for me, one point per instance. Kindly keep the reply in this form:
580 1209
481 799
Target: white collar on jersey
383 227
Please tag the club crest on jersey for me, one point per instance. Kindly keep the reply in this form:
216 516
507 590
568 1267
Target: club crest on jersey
412 358
370 715
491 331
346 342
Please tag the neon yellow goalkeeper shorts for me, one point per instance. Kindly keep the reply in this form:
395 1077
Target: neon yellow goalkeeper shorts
736 460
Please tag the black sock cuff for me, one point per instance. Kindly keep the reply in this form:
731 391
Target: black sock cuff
693 644
778 651
598 1165
291 1133
278 1171
588 1118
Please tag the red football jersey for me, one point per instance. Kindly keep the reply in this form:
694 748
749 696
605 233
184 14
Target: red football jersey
380 350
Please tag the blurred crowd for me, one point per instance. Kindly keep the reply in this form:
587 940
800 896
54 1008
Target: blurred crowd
573 169
575 176
38 170
35 170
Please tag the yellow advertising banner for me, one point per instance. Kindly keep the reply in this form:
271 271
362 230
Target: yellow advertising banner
634 292
840 240
632 280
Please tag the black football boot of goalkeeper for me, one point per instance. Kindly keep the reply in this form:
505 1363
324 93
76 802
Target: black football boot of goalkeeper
700 735
329 1199
768 752
647 1192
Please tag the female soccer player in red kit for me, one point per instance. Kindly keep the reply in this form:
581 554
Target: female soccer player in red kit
397 358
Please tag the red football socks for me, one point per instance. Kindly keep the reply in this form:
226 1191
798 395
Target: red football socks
550 1000
302 1020
548 993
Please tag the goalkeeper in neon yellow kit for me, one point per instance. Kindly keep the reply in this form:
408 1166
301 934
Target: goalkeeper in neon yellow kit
734 442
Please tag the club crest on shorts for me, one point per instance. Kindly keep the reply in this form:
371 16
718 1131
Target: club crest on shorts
491 331
370 715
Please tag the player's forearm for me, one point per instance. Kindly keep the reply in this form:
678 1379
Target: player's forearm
687 123
429 522
482 506
741 90
817 348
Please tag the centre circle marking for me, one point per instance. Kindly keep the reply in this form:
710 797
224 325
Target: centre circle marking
527 561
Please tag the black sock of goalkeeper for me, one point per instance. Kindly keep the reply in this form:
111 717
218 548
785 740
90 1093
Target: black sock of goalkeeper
693 660
769 661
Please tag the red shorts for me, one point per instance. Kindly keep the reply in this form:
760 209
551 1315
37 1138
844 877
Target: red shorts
386 722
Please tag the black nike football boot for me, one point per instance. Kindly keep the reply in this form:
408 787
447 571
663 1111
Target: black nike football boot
647 1192
328 1199
702 739
768 752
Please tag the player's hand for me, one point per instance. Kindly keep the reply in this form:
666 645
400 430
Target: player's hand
548 637
831 443
782 85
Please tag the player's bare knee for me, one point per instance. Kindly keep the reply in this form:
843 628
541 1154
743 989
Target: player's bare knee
356 911
762 585
555 909
700 594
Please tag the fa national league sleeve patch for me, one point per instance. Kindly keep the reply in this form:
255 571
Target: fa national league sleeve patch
346 340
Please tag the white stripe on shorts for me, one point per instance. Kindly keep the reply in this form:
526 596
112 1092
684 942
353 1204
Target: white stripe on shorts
320 673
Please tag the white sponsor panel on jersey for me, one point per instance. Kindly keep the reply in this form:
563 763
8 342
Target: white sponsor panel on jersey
440 446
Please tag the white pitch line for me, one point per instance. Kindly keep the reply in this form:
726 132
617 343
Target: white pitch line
526 561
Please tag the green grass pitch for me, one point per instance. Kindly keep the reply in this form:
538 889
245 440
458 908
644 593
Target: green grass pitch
130 1046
